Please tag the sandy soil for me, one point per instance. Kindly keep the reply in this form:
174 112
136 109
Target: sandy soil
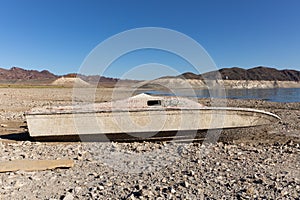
258 162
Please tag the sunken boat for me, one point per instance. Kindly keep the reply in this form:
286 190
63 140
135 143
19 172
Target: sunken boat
142 116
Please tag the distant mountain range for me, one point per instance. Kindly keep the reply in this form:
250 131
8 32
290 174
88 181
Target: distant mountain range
19 75
258 73
235 73
16 73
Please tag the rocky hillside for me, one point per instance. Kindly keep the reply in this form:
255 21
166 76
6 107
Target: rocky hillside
258 77
16 73
102 80
23 76
258 74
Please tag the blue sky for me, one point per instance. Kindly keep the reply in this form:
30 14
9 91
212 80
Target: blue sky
57 35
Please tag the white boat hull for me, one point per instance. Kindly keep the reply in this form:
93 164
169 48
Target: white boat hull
144 121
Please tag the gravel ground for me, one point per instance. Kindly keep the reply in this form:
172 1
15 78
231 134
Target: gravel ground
250 163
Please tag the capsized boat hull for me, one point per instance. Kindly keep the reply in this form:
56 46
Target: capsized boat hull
144 123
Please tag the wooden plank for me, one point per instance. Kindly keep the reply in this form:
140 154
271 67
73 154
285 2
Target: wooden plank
34 165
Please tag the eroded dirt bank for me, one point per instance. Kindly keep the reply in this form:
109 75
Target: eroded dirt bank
228 84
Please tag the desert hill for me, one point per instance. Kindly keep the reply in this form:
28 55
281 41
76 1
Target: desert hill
102 80
258 77
70 82
23 76
16 73
257 73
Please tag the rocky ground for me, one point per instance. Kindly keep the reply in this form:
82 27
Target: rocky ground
250 163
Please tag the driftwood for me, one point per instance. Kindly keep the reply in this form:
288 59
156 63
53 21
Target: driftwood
34 165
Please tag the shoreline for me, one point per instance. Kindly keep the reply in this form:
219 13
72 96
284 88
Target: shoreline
171 83
180 83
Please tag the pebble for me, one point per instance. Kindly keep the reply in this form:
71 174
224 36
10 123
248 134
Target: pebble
172 190
101 187
185 184
68 196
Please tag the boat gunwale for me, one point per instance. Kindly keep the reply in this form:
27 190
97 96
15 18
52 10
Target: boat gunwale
74 112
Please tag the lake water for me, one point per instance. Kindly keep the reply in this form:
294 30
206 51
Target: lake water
274 95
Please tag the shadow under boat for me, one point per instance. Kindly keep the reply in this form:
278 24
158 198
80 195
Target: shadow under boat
174 136
129 137
22 136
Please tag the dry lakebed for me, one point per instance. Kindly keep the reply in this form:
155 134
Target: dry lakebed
249 163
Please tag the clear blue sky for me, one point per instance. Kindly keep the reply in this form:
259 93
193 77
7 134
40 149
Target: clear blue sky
58 34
